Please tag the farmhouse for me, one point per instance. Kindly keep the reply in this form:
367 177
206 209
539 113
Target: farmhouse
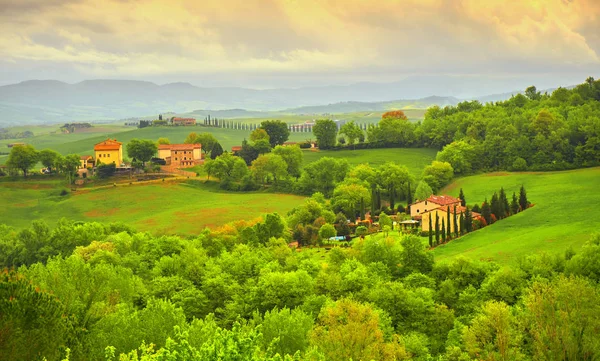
180 154
442 213
86 162
183 121
433 202
109 151
10 145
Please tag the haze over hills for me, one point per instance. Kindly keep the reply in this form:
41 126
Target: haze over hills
51 101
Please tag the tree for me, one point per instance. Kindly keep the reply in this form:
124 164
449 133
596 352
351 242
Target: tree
262 146
323 175
392 177
207 140
48 158
414 258
486 212
448 223
460 155
430 233
259 134
269 165
349 198
438 174
293 157
362 231
444 239
163 141
437 228
326 131
191 138
504 206
468 220
68 166
277 130
461 196
286 330
462 223
532 93
351 131
106 170
327 231
22 157
141 149
514 204
384 220
495 206
423 191
523 202
216 150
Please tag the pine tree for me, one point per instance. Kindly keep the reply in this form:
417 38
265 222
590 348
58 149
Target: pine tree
443 232
486 212
514 205
430 232
523 202
468 220
409 199
373 199
456 226
463 201
437 229
495 206
362 209
462 223
448 230
504 206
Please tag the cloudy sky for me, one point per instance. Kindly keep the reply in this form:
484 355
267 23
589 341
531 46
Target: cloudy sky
268 43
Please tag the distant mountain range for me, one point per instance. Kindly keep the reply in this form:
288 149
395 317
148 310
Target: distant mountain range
51 101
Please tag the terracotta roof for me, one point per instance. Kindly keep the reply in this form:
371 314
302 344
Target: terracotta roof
183 119
179 146
443 200
236 148
85 157
109 144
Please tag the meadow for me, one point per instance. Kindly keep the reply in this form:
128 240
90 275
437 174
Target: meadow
183 208
565 214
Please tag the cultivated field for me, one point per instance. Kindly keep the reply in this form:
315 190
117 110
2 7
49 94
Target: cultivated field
565 213
169 208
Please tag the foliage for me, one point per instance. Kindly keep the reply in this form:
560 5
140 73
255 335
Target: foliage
142 150
325 130
23 158
277 131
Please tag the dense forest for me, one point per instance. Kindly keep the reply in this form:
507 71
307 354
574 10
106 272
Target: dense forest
91 291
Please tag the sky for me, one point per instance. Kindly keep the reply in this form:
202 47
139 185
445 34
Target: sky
294 43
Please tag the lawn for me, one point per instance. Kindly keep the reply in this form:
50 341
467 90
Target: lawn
414 158
565 214
169 208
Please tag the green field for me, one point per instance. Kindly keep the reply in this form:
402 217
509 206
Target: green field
565 213
414 158
169 208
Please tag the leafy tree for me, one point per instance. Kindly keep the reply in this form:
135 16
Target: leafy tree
191 138
444 239
216 150
48 158
262 146
259 134
325 130
22 157
351 131
460 155
141 149
361 231
277 130
414 257
349 198
423 191
269 165
504 206
68 166
207 140
286 330
532 93
164 141
523 202
323 175
327 231
438 174
495 206
392 177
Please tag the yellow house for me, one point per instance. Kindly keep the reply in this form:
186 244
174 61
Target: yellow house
86 161
109 151
433 202
442 213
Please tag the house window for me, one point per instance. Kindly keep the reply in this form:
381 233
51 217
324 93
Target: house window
108 155
175 152
175 158
417 211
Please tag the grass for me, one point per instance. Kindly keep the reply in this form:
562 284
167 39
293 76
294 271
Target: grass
414 158
170 208
565 214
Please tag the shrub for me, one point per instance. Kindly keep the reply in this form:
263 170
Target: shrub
519 164
64 192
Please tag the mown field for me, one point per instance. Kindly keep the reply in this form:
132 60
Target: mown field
170 208
565 214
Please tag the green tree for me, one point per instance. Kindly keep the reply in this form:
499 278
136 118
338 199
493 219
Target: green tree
258 134
349 198
468 220
362 231
456 224
514 204
460 155
394 177
461 196
437 229
269 165
325 130
448 224
286 330
486 212
163 141
443 231
423 191
504 206
532 93
207 140
327 231
68 166
22 157
495 206
351 131
141 149
430 233
323 175
277 130
48 158
414 257
216 150
523 202
262 146
438 174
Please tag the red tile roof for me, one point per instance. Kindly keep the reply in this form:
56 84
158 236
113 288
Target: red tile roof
236 148
109 144
85 157
443 200
179 146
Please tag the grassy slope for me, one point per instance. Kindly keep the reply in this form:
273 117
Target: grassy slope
414 158
170 208
566 212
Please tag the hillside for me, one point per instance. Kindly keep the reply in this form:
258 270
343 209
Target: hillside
564 214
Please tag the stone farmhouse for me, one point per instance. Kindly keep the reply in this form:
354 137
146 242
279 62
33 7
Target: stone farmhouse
180 155
433 202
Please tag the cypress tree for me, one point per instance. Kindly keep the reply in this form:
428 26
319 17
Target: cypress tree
523 202
373 199
463 201
448 230
430 232
409 199
362 209
504 203
443 231
456 223
462 223
486 212
437 228
468 220
495 206
392 192
514 205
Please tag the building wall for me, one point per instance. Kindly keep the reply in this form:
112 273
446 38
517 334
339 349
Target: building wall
179 156
197 154
443 215
164 153
418 208
109 156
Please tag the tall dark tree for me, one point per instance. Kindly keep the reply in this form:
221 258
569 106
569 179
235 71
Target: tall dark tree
468 220
326 131
504 206
486 212
456 225
514 205
523 202
373 199
216 150
463 201
278 131
463 224
443 231
495 206
437 228
448 229
409 199
430 233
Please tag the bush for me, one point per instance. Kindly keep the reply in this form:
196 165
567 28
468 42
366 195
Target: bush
519 164
64 192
